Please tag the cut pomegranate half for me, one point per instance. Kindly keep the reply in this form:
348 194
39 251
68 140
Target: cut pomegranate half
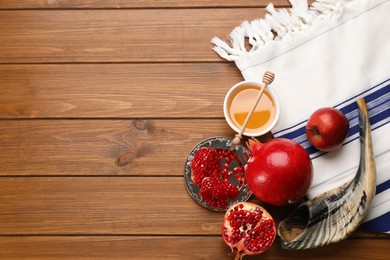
248 229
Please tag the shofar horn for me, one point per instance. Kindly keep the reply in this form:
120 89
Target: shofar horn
334 215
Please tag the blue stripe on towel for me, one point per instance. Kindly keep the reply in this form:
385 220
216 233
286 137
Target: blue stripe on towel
378 105
383 92
379 224
383 186
295 134
380 93
385 82
373 120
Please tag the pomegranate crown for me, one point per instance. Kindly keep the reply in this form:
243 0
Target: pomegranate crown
253 145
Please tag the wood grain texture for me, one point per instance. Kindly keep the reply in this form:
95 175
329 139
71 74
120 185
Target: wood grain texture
66 205
100 104
102 147
160 35
180 248
109 206
191 90
58 4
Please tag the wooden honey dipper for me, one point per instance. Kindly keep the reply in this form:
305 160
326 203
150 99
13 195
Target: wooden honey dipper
268 77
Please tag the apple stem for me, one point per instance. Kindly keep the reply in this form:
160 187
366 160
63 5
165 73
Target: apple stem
315 130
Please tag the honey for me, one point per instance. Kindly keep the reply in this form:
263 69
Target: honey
241 101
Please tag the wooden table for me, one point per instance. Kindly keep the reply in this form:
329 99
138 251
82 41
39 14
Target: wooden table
100 104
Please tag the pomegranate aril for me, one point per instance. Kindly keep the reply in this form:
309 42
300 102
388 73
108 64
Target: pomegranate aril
235 236
217 193
206 163
260 237
228 159
237 170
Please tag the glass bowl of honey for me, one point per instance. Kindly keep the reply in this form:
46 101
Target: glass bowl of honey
238 102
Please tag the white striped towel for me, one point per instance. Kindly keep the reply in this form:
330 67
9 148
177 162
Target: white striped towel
327 54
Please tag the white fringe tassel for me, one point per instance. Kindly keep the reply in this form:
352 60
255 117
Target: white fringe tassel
276 24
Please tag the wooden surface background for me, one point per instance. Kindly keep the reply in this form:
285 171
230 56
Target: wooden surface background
100 104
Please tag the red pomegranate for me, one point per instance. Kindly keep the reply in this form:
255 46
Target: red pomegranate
279 172
248 229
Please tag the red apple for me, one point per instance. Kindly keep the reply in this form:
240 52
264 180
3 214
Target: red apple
327 129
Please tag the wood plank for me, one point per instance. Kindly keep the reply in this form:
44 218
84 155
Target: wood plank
115 90
66 205
159 35
109 206
58 4
152 247
102 147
